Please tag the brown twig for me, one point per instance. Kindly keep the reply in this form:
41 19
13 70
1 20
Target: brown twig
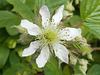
74 56
96 48
78 24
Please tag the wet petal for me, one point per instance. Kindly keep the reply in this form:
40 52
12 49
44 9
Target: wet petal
32 29
58 16
61 52
70 33
31 49
44 11
43 57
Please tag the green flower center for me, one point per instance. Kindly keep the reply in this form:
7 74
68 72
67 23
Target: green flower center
51 36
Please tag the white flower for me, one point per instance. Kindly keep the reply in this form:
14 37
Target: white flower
49 37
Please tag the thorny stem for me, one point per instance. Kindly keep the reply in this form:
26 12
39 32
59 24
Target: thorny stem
74 56
78 24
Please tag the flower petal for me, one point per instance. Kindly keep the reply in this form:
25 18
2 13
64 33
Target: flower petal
61 52
70 33
32 29
31 49
44 11
58 16
43 57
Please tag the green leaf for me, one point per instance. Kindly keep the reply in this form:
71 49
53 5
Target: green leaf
96 56
11 31
22 9
30 3
4 52
2 3
3 34
94 70
83 48
66 70
93 28
90 10
51 68
36 68
52 4
14 59
8 19
17 69
74 20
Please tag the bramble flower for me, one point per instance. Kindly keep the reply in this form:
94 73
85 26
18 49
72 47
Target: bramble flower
49 37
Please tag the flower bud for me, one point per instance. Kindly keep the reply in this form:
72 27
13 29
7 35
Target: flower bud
21 29
70 7
10 42
73 60
81 39
77 2
37 19
20 52
89 56
25 38
67 14
83 53
83 62
83 68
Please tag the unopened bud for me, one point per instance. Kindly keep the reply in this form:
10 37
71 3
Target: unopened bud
83 62
11 43
70 7
37 19
67 14
77 2
28 58
81 39
21 29
73 60
25 38
83 53
20 52
89 56
83 69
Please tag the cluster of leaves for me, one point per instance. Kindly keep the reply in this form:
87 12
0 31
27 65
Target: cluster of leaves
11 13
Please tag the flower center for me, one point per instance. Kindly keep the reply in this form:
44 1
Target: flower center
50 36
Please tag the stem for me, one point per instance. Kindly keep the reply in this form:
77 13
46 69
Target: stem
78 24
74 56
96 48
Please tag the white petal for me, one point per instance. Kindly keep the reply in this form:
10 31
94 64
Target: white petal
58 16
44 11
31 49
32 29
61 52
70 33
43 57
